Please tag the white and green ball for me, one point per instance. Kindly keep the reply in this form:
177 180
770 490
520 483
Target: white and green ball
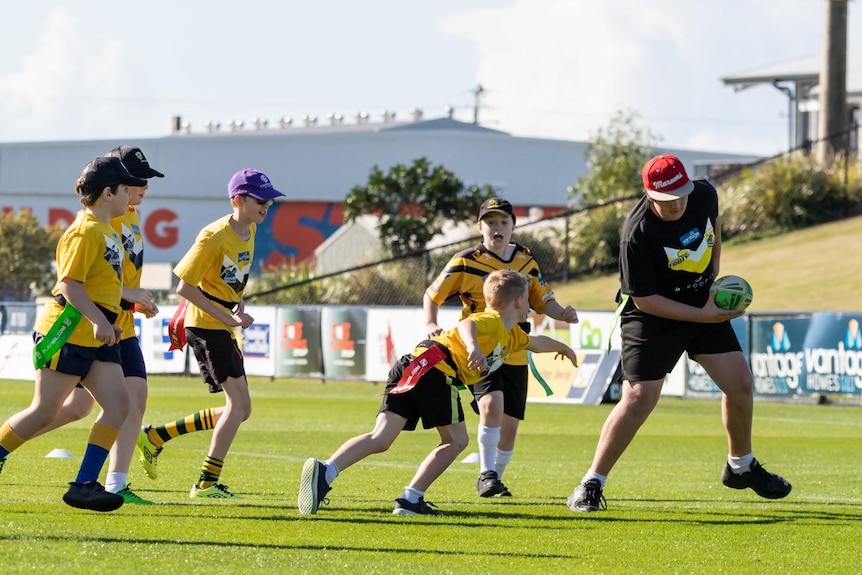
732 293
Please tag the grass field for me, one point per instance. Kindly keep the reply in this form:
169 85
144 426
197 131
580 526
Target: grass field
816 268
667 511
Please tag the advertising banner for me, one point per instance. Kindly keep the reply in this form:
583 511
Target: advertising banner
596 365
298 347
17 318
833 354
394 331
155 343
257 342
343 335
593 330
583 384
777 355
16 356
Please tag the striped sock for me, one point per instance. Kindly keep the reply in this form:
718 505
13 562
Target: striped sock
200 421
210 472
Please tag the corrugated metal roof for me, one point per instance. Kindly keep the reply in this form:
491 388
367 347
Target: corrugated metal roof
803 70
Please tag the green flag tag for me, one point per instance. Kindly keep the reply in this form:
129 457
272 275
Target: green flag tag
57 336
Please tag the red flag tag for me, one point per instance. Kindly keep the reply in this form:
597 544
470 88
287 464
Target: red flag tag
176 327
417 368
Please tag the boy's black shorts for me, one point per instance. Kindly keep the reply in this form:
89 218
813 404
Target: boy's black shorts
652 346
218 355
512 381
434 400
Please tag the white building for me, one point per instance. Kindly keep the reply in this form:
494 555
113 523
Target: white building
315 165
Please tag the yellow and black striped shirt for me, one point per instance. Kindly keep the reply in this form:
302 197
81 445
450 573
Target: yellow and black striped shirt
465 275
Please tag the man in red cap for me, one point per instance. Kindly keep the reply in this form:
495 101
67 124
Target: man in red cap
669 258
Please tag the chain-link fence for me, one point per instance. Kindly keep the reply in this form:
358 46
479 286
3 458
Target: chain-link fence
566 245
585 240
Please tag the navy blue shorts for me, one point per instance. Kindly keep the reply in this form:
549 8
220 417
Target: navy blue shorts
218 355
76 359
133 358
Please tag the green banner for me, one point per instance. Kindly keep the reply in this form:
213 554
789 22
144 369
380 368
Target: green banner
58 335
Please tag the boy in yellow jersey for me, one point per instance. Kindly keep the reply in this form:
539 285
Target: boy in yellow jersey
424 385
76 337
135 299
501 399
213 275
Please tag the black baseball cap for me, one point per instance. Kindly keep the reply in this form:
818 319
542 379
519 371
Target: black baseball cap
135 161
108 172
496 205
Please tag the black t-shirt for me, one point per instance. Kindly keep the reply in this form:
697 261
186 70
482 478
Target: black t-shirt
671 259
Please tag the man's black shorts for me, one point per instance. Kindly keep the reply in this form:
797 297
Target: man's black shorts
652 346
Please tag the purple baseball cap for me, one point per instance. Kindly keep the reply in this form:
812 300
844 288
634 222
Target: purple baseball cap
252 183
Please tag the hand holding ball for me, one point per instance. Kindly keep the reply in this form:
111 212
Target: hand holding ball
732 293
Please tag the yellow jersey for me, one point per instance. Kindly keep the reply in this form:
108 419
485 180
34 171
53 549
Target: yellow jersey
465 275
493 340
128 226
219 264
91 253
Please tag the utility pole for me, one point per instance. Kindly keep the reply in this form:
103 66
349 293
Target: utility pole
477 95
832 127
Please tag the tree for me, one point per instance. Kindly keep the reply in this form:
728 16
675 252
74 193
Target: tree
615 156
26 254
413 203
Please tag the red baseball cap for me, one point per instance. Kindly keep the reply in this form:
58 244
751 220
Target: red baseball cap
665 178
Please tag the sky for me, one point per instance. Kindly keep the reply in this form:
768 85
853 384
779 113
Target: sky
560 69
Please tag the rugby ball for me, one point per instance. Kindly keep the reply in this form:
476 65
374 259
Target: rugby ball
732 293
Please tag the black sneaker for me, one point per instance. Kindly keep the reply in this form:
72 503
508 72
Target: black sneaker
488 485
504 493
767 485
92 496
587 497
421 507
312 487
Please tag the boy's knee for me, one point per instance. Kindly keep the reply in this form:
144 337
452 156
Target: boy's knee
77 410
459 440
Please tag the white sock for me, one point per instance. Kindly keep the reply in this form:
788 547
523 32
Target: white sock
331 471
487 438
502 460
593 475
412 495
115 481
741 464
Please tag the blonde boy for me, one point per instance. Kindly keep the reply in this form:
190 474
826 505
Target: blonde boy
423 385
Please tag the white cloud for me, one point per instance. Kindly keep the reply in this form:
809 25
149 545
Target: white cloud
67 81
561 68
